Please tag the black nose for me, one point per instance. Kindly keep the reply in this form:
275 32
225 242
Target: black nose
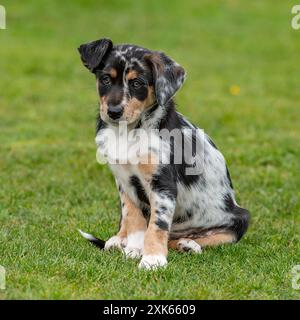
115 112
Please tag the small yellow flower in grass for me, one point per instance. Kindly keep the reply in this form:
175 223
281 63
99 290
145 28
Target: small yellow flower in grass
234 90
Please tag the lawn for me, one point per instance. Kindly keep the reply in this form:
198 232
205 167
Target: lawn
242 60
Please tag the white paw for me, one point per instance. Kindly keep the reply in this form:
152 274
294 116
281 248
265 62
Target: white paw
189 245
133 253
152 262
135 245
115 242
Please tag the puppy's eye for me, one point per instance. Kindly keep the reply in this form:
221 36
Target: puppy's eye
105 80
136 84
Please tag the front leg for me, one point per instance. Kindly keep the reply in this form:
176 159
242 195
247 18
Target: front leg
136 226
130 237
163 202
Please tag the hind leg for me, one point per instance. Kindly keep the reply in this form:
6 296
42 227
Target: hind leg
185 245
215 239
210 238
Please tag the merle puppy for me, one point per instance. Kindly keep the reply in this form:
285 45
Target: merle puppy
162 206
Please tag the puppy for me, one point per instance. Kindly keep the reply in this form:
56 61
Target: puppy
184 201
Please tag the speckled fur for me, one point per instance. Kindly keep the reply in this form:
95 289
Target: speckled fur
174 206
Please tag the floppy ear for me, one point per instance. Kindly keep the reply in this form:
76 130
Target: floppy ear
93 53
168 76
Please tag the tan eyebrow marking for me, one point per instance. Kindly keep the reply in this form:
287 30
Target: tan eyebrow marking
132 74
113 72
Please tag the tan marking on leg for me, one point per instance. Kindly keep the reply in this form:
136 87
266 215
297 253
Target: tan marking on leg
156 241
136 226
134 220
123 231
216 239
209 240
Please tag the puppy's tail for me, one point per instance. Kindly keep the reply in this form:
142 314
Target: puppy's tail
95 241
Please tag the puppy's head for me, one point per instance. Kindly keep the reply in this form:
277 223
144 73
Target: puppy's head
130 79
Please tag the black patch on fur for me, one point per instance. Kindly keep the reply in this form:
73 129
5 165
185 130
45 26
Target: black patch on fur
139 189
146 211
229 178
162 209
189 213
240 222
138 125
211 142
97 243
100 124
228 203
171 121
115 96
180 219
103 90
120 188
94 53
164 182
140 94
241 217
145 76
187 180
150 111
162 224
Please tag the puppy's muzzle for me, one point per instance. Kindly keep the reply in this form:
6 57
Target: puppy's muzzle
115 112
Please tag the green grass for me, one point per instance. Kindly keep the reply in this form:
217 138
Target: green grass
51 183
